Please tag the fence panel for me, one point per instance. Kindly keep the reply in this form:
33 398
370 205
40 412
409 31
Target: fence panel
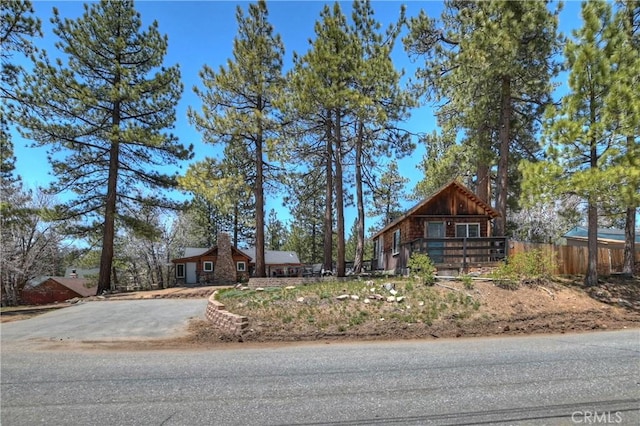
573 260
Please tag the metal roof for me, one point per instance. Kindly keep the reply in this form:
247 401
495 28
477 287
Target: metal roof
581 232
194 251
78 285
274 257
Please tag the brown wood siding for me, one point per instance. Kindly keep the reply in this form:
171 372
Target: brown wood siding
453 205
208 277
49 291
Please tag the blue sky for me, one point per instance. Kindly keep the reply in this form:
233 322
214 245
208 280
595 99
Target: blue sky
202 32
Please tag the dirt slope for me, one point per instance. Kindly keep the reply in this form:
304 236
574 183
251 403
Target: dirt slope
550 308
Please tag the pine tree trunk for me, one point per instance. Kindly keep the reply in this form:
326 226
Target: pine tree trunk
106 257
482 166
357 261
236 224
314 233
503 161
482 174
340 267
591 277
628 267
328 208
261 271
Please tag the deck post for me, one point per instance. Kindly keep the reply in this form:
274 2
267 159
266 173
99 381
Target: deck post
464 255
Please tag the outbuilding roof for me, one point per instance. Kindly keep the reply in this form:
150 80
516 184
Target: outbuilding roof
77 285
610 235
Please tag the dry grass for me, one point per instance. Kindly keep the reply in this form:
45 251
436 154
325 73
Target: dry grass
318 306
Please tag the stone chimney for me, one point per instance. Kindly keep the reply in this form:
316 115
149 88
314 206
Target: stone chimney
225 270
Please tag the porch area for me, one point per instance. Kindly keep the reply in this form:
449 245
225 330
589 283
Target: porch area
455 253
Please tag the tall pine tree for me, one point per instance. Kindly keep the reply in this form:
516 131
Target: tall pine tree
580 139
623 109
238 104
103 109
490 64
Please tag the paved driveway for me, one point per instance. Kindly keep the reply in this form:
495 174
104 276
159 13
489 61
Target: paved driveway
109 321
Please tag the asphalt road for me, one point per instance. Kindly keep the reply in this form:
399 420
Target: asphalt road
108 321
543 379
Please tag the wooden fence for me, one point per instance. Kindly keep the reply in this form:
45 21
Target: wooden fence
572 260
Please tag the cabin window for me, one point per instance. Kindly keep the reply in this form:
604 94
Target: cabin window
207 266
241 266
396 242
467 230
180 270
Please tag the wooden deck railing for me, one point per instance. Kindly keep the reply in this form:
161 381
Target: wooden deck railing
459 252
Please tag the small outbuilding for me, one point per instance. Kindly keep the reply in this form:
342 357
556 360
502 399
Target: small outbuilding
47 290
607 238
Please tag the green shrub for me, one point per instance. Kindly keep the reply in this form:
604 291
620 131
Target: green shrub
467 282
532 266
422 266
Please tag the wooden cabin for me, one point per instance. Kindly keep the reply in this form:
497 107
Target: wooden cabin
453 226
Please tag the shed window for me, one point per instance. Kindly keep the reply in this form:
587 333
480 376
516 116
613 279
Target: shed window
396 241
207 266
241 266
467 230
180 270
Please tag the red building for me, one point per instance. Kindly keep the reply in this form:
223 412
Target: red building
56 289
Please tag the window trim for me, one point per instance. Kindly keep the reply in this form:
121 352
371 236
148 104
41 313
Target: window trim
204 266
395 245
244 266
184 270
440 222
466 225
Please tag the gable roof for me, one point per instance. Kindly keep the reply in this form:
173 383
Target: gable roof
193 253
275 257
77 285
491 212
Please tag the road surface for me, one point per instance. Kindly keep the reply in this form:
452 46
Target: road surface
108 321
543 379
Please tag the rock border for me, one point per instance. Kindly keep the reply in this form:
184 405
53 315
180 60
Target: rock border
223 319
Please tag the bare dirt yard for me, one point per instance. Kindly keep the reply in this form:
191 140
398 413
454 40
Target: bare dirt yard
401 309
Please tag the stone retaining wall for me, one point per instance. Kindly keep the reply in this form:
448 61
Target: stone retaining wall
223 319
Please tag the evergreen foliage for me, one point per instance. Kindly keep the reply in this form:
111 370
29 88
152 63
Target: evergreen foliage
103 111
17 29
582 139
238 107
346 92
422 266
489 66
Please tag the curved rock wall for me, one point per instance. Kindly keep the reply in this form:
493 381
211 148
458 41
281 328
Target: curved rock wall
223 319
